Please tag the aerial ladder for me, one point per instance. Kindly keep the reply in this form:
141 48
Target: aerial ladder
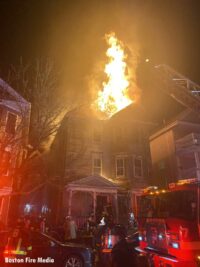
169 219
182 89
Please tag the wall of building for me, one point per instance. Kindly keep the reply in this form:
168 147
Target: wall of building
14 128
88 145
129 142
163 158
174 150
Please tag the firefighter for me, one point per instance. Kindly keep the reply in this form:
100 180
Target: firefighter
122 253
18 244
70 228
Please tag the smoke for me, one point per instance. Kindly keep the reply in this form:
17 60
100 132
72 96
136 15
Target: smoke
79 45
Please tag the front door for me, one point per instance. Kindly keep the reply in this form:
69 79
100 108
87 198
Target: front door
100 206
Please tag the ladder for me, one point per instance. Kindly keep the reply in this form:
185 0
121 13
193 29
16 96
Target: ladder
178 86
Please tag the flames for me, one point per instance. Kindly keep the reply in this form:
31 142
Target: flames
114 95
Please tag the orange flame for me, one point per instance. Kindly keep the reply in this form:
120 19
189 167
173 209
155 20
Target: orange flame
114 95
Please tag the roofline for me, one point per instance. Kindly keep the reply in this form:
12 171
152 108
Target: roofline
171 126
87 188
12 92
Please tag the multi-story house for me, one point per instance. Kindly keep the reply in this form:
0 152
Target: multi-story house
14 127
175 149
108 159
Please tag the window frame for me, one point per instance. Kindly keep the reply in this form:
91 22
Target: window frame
6 159
123 167
6 124
134 166
97 156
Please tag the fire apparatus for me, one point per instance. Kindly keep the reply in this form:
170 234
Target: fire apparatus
169 219
169 225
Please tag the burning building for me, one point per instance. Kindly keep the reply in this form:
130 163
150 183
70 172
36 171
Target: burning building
113 154
102 151
106 161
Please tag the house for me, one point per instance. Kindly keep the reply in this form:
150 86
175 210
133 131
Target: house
115 150
175 149
14 128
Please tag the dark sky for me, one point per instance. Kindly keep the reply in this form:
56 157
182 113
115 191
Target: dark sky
166 31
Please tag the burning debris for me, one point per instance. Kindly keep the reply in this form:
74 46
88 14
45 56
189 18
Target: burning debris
115 94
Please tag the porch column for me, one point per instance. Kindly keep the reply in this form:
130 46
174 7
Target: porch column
179 166
196 155
70 203
116 207
94 204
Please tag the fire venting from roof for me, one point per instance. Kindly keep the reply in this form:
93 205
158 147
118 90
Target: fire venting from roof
115 94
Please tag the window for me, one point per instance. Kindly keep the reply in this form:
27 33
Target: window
175 204
11 123
5 163
138 171
97 163
1 113
120 167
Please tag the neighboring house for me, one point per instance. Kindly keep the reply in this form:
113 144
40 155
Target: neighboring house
115 149
175 149
14 128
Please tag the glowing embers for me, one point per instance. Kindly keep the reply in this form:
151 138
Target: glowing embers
114 95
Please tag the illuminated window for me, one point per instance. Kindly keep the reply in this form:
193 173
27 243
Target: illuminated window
44 209
11 123
27 208
120 166
138 171
97 163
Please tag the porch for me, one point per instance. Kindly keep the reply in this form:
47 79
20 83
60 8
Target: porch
91 195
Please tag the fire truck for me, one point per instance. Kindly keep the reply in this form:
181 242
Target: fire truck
169 225
169 219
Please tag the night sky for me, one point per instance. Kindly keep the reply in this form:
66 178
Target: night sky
71 32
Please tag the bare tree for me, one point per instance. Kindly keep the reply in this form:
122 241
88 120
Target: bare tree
39 83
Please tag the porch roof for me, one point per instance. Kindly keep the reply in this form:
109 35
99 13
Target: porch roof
94 182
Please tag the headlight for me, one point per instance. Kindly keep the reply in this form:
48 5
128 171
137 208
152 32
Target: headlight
174 245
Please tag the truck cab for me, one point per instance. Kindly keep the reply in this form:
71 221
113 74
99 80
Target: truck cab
168 221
